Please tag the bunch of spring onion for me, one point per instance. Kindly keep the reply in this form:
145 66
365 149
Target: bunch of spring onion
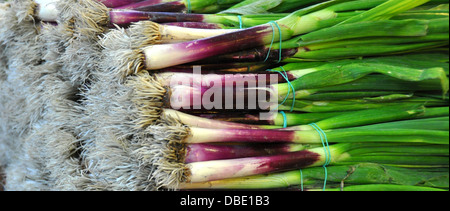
409 35
181 6
291 120
320 16
91 14
132 61
280 6
384 111
192 153
313 87
403 116
109 13
208 156
295 24
253 17
88 18
410 138
81 23
347 41
47 10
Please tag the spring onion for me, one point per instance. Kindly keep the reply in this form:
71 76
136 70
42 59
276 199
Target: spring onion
290 26
341 176
195 6
206 171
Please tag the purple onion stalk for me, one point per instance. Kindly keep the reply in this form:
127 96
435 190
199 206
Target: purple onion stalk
157 57
241 167
296 121
225 80
155 94
192 92
195 20
297 23
333 154
156 6
118 3
336 128
189 6
126 17
258 54
309 136
197 25
209 152
202 122
176 34
219 68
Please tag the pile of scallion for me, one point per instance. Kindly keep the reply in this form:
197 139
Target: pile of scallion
337 95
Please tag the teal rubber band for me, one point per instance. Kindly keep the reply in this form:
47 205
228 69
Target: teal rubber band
301 179
189 8
281 42
290 87
328 161
326 154
273 40
284 119
326 147
240 22
271 44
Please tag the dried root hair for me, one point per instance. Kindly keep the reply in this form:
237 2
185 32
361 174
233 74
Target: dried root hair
136 36
42 90
19 33
45 110
7 19
119 60
112 166
3 63
79 60
20 102
81 22
144 33
108 129
9 134
89 17
168 153
53 41
20 53
25 173
59 98
107 104
149 97
123 55
25 10
142 151
57 152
